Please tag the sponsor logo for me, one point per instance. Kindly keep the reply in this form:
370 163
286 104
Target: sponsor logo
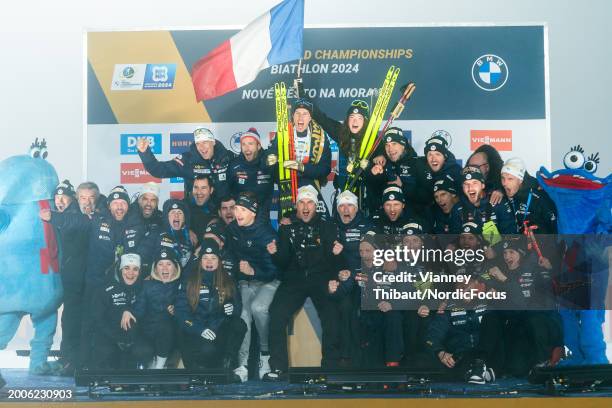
178 195
159 76
500 139
490 72
134 173
176 180
235 142
128 72
180 142
128 77
130 140
136 77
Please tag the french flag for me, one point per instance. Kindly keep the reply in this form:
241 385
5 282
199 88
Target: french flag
273 38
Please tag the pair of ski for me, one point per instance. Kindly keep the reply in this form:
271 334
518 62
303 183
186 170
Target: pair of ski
287 179
372 136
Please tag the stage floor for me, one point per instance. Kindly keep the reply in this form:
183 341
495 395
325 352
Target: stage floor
506 388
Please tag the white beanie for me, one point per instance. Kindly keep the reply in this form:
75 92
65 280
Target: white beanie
346 197
129 259
515 167
308 193
203 135
150 188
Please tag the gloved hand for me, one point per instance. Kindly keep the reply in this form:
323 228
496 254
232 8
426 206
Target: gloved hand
228 308
363 163
271 160
293 165
209 334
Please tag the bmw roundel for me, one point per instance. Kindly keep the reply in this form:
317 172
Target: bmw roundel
490 72
235 142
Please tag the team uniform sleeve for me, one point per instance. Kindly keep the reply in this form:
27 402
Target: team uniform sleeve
436 332
70 223
184 316
165 169
506 224
283 255
331 126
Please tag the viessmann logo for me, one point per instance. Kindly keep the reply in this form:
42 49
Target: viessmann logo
134 173
499 139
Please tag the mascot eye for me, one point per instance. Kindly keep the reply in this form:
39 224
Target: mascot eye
573 160
35 152
44 153
590 166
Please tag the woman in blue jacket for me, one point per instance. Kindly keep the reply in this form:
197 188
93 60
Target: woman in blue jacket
207 310
154 307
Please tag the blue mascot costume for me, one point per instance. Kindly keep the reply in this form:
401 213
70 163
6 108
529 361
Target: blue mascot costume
31 283
584 205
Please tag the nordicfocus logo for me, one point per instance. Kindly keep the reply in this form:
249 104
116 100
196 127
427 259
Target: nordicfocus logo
490 72
134 173
500 139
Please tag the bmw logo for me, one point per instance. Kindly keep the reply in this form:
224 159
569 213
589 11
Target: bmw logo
468 176
235 142
490 72
115 195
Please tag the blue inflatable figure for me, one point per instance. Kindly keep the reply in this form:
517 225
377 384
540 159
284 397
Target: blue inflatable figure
584 206
30 282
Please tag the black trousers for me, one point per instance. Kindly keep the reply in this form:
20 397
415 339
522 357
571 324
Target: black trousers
161 335
348 309
87 332
414 330
382 337
125 350
201 353
289 298
515 341
71 323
